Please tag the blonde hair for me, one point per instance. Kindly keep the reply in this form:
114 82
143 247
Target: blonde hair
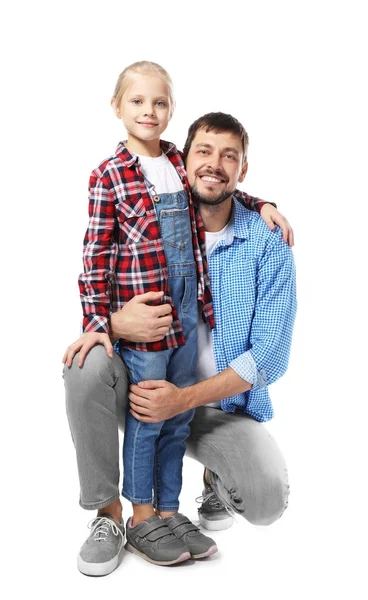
143 67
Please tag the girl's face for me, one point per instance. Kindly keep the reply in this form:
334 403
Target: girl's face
145 108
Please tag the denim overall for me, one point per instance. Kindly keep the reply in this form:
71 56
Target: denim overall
153 452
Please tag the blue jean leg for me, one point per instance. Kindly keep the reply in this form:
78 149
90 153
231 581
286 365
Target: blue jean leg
170 448
140 438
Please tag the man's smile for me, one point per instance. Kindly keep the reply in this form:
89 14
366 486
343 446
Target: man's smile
211 179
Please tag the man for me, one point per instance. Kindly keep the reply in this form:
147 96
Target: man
253 285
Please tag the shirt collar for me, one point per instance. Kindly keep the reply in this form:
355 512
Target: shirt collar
238 223
129 159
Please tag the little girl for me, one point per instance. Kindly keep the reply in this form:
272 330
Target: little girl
142 236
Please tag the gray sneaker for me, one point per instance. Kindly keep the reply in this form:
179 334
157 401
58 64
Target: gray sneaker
99 554
153 541
213 514
199 545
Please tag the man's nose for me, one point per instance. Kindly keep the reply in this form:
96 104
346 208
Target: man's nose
214 161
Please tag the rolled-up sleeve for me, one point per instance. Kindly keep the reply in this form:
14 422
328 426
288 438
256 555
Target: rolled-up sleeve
273 319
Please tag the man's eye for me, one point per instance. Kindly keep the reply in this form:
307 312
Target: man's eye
231 156
203 151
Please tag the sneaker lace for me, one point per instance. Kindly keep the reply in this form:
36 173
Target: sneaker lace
101 527
211 498
214 501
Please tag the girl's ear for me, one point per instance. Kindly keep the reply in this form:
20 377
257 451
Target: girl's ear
116 110
172 108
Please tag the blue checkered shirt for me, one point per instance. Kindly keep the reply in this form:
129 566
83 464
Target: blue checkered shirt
254 295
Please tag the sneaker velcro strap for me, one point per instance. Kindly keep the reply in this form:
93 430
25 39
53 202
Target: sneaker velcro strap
152 530
181 525
158 534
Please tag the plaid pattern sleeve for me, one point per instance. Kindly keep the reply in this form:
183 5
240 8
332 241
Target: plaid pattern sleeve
251 202
99 255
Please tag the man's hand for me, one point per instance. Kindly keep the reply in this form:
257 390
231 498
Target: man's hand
155 401
273 217
84 345
139 322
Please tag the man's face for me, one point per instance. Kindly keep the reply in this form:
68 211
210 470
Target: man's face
215 166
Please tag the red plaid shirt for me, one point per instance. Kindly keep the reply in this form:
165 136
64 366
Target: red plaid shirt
123 251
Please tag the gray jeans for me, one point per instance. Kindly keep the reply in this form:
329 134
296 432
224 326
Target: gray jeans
249 473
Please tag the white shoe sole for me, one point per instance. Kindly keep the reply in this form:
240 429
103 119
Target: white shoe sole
215 525
99 569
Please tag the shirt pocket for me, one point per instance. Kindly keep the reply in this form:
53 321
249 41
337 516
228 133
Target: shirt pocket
134 226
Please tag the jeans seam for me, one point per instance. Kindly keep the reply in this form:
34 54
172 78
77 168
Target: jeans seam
287 492
133 458
156 482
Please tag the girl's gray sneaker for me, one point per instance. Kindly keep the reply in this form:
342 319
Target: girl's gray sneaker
99 554
213 514
199 545
153 541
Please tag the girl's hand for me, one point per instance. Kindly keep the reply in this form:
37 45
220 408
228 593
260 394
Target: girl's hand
273 217
83 346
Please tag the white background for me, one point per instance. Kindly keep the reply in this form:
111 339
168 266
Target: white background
295 74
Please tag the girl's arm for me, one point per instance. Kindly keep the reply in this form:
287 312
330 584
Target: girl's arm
99 260
99 256
269 214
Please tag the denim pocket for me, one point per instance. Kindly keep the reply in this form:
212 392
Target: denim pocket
190 293
176 228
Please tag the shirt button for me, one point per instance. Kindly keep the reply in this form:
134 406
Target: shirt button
156 198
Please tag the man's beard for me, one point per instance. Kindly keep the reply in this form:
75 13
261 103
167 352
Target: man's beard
210 201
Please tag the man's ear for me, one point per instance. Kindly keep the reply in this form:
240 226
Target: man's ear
243 172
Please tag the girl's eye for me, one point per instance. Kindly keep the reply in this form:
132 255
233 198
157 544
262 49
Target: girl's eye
161 104
136 101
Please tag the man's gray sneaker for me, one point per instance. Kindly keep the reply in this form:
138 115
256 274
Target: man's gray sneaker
153 541
213 514
199 545
99 554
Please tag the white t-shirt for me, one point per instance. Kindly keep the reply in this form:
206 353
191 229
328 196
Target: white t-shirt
206 366
161 173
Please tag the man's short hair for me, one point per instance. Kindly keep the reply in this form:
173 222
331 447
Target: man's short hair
219 123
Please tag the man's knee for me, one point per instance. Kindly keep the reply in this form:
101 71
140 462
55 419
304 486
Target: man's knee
97 365
97 372
260 498
267 499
